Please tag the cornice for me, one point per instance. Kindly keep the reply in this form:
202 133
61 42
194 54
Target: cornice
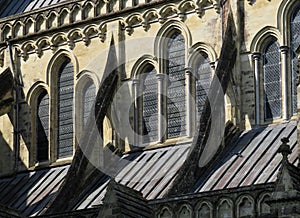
71 21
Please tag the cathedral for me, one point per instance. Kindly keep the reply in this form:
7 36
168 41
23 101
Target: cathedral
149 108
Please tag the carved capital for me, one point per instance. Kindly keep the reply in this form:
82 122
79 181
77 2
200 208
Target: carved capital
256 55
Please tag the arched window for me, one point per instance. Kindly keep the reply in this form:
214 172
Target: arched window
272 81
165 213
204 211
264 207
295 43
65 109
203 79
149 105
185 212
176 112
225 210
245 208
88 99
42 127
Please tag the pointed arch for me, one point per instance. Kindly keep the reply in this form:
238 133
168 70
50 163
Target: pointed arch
185 211
259 40
6 31
263 206
86 88
284 15
88 10
245 206
198 48
52 20
38 99
29 26
225 208
61 73
64 17
40 23
18 29
165 31
141 63
204 209
165 212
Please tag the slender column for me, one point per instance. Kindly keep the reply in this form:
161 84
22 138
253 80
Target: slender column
135 84
284 72
256 57
161 119
189 103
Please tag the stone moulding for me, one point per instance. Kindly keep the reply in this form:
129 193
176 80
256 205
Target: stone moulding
70 14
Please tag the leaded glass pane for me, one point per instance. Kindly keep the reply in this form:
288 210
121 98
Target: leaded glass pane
295 43
150 103
88 99
65 110
176 87
42 126
203 79
272 81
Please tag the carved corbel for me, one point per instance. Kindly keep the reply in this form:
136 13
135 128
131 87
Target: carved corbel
184 8
102 32
181 16
145 25
71 44
148 17
132 21
216 5
86 40
24 55
53 48
199 12
129 30
166 12
161 20
39 52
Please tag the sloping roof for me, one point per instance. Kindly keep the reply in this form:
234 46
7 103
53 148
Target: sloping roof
149 172
6 212
30 192
251 160
123 201
11 7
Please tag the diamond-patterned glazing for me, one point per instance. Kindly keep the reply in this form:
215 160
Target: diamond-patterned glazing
150 103
295 43
272 81
176 112
65 110
203 79
42 126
